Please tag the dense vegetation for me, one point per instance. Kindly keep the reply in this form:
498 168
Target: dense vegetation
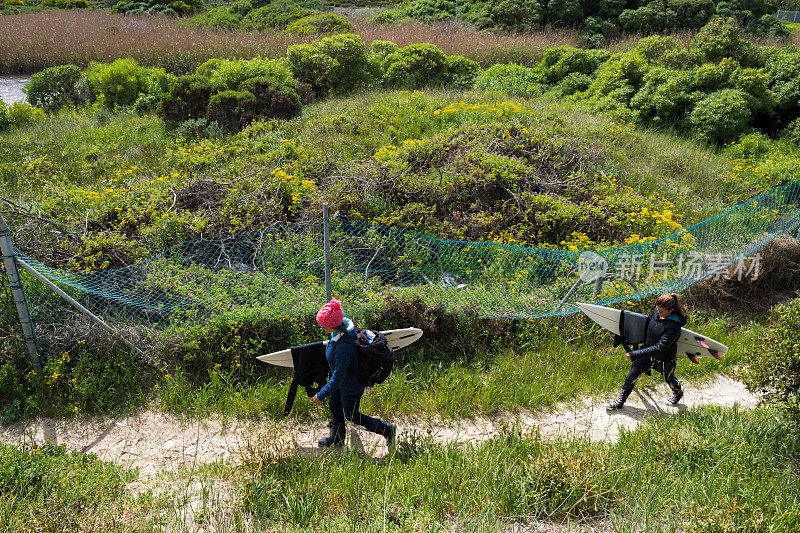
241 144
598 21
118 160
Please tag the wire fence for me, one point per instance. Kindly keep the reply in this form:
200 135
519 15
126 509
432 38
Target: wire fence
278 273
788 16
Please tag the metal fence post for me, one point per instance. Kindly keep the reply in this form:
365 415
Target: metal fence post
17 289
327 236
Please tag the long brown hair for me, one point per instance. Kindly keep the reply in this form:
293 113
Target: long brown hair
671 302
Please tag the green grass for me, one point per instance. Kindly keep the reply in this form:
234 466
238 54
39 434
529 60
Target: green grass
708 470
46 488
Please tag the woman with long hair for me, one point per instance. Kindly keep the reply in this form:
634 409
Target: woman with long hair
659 351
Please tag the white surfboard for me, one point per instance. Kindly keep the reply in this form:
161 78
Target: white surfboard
398 338
691 344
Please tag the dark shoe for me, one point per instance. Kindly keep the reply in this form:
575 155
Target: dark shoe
620 401
676 397
390 432
335 440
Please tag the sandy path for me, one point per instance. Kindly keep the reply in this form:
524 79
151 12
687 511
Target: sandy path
154 441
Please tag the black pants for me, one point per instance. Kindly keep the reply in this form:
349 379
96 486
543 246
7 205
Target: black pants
640 366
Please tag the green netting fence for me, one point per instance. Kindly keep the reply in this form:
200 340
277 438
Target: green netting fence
277 273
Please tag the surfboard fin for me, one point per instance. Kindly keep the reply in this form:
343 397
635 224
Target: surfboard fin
692 358
715 353
702 342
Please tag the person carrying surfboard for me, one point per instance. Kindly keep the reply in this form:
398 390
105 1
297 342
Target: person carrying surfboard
659 351
343 390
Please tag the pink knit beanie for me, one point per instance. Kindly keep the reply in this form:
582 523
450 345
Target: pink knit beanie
331 315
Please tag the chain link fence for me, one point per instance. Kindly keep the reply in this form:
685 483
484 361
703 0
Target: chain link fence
278 273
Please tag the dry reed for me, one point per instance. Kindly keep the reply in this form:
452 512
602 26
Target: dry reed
33 41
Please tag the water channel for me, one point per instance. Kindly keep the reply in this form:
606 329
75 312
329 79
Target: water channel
11 88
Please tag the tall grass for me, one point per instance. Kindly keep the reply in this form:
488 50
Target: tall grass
709 470
33 41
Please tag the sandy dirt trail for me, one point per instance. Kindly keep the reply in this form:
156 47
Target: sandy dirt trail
157 442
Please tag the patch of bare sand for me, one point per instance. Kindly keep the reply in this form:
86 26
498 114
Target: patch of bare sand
157 442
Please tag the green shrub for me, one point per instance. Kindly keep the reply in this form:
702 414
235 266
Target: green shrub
783 69
565 12
559 62
461 72
718 39
514 80
616 82
517 15
5 122
187 98
335 64
120 83
21 114
433 10
146 104
199 129
231 73
66 4
166 7
666 98
14 3
774 368
693 13
223 17
53 88
208 67
312 67
663 50
637 20
276 15
320 23
721 116
792 131
232 110
415 66
273 101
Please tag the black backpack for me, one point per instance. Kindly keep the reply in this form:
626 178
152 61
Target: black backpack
375 356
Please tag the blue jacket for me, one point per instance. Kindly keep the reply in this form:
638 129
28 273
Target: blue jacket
342 358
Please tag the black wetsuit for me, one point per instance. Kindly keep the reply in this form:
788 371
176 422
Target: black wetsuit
659 353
